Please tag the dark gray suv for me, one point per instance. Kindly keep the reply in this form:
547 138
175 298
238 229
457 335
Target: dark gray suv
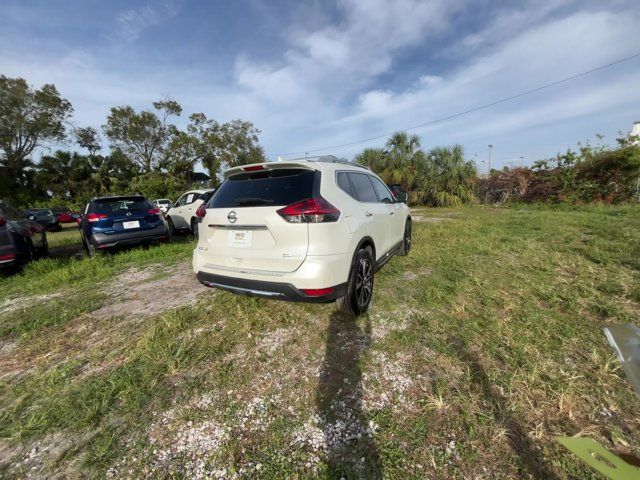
21 240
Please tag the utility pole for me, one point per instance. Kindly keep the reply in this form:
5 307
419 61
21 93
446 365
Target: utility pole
489 171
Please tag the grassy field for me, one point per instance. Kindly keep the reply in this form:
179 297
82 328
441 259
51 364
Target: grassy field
479 347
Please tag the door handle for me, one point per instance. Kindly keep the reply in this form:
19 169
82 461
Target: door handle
367 214
391 213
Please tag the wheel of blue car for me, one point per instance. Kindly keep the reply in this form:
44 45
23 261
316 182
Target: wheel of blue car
90 249
30 252
44 250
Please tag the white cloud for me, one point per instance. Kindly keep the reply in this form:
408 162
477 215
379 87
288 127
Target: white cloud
347 55
132 22
325 88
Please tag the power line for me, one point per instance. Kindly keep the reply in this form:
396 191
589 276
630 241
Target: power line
471 110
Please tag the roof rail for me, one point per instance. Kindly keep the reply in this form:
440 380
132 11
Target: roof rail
328 159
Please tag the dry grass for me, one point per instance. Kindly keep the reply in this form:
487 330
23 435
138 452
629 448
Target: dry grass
480 346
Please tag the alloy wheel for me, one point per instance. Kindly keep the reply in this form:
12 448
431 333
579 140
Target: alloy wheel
364 282
407 237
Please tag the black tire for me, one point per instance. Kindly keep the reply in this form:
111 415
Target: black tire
172 229
169 238
44 250
89 248
30 252
406 240
360 285
194 228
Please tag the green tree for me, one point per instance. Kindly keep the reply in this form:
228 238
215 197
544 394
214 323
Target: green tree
446 179
28 119
144 137
398 162
374 158
229 144
64 174
89 138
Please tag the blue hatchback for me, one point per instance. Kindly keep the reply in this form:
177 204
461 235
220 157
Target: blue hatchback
110 222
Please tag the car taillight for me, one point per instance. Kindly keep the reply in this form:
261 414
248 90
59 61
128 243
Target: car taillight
96 217
312 210
201 211
3 221
9 256
253 168
154 211
317 292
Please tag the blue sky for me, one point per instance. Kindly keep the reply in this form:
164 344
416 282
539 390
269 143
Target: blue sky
312 74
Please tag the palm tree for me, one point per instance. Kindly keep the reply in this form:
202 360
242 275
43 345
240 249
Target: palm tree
404 155
374 158
446 179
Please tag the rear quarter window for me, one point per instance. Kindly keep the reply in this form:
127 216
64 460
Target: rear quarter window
266 188
343 183
362 187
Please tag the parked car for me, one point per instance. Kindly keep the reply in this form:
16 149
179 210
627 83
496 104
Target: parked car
121 220
21 239
306 231
182 216
164 204
64 214
44 217
397 191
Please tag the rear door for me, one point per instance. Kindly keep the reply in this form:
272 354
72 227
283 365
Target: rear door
395 222
375 213
242 230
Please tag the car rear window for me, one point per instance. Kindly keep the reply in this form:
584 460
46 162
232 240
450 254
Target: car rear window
264 188
122 204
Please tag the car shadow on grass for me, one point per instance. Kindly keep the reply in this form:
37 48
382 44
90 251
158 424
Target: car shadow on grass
351 449
529 454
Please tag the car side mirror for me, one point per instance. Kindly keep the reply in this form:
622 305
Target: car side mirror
401 197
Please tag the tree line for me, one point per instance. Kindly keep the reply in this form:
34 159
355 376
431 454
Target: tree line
442 177
149 154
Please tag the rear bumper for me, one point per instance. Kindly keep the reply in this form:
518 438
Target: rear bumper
103 240
8 257
273 290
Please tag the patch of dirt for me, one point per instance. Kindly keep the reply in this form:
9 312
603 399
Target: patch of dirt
12 304
386 383
7 346
423 272
35 459
421 218
135 295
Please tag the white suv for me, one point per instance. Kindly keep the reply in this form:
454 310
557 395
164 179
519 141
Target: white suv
306 231
182 215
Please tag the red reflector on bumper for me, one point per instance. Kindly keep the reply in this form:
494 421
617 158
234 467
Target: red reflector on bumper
317 292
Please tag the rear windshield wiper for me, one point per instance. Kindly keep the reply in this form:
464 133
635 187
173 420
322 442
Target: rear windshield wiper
248 201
